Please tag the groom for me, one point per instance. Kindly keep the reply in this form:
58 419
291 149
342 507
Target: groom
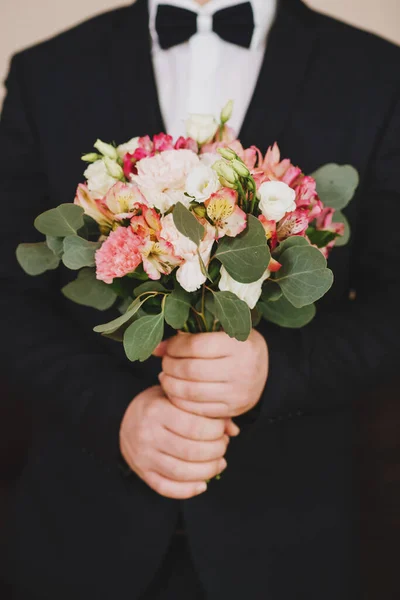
112 501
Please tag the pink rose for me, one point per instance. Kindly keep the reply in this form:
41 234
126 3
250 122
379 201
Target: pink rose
119 255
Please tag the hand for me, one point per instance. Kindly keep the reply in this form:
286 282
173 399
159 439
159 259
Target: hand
173 451
213 375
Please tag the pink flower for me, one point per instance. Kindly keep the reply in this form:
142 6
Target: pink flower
119 255
270 230
274 265
147 224
123 200
94 208
294 223
186 144
282 170
158 258
307 197
162 142
225 214
324 222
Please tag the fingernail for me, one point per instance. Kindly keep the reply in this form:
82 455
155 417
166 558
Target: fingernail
201 488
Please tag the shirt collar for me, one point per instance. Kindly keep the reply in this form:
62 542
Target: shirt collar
264 14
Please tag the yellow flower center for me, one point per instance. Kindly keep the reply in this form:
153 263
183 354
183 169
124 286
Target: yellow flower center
219 210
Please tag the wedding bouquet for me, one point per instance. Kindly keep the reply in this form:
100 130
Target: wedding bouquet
201 234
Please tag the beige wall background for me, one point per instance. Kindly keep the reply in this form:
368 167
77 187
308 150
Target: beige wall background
24 22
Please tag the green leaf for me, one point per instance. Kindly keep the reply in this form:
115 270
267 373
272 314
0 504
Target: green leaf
246 256
177 307
112 326
143 336
56 245
35 259
89 229
79 253
64 220
187 224
283 313
271 292
89 291
303 278
342 240
149 286
321 237
336 184
294 240
233 314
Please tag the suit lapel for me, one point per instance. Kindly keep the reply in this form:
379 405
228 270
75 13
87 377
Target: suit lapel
132 73
282 76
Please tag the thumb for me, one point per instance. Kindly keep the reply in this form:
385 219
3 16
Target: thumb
161 349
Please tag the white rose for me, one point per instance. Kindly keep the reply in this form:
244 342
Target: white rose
276 199
128 147
202 182
99 180
248 292
201 128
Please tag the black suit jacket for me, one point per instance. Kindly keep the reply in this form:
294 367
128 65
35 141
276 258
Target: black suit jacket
278 525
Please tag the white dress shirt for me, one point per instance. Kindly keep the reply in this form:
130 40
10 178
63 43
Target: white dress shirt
201 75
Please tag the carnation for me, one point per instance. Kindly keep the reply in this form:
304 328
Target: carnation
119 255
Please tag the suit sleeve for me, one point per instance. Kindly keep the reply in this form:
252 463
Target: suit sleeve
66 373
344 351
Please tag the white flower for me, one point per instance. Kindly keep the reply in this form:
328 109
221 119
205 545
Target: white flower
248 292
276 199
201 128
113 168
106 149
189 275
227 111
99 180
128 147
209 158
202 182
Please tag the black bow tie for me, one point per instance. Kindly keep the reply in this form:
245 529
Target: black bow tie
175 25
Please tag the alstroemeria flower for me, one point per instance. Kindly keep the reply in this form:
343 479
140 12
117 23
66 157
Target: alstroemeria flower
123 199
270 230
93 208
183 143
162 142
147 224
225 214
158 258
307 197
248 292
294 223
202 182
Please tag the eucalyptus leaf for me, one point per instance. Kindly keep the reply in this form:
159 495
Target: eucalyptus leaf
271 292
64 220
336 184
79 253
283 313
303 278
89 291
177 307
246 256
90 228
56 245
294 240
233 314
321 237
149 286
143 336
115 324
187 224
35 259
339 217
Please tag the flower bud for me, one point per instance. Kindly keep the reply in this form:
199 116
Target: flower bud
200 210
226 112
113 168
106 149
91 157
240 168
224 170
227 153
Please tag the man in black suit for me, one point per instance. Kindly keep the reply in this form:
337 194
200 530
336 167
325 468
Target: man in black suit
280 522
